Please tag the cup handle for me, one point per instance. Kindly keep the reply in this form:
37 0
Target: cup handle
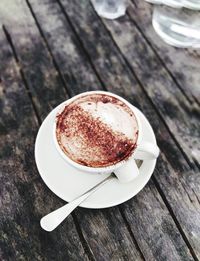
146 151
128 171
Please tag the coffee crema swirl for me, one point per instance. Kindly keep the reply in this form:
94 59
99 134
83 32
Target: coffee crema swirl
97 130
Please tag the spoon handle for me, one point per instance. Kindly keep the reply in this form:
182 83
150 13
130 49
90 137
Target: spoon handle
53 219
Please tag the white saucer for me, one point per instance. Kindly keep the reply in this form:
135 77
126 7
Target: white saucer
67 182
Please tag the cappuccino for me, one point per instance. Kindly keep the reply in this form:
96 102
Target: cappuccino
97 130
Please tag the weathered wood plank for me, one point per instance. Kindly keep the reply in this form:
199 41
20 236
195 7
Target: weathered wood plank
110 68
183 64
139 215
99 224
33 56
24 197
150 223
18 32
70 55
108 63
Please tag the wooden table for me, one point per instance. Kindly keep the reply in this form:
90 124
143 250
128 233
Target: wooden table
51 50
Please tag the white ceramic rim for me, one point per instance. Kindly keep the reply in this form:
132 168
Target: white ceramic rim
107 169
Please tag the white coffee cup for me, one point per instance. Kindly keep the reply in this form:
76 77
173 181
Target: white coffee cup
125 170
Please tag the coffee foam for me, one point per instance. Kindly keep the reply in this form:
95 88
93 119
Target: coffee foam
97 130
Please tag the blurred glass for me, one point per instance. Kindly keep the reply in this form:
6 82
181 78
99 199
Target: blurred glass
110 9
172 3
177 27
191 4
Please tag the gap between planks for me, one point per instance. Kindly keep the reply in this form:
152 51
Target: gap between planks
174 218
49 50
85 245
78 39
130 232
9 39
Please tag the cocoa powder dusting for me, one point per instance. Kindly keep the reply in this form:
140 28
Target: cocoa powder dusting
94 143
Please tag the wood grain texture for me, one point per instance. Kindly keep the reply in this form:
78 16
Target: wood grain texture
97 225
77 61
24 197
148 208
109 67
70 57
183 64
28 43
